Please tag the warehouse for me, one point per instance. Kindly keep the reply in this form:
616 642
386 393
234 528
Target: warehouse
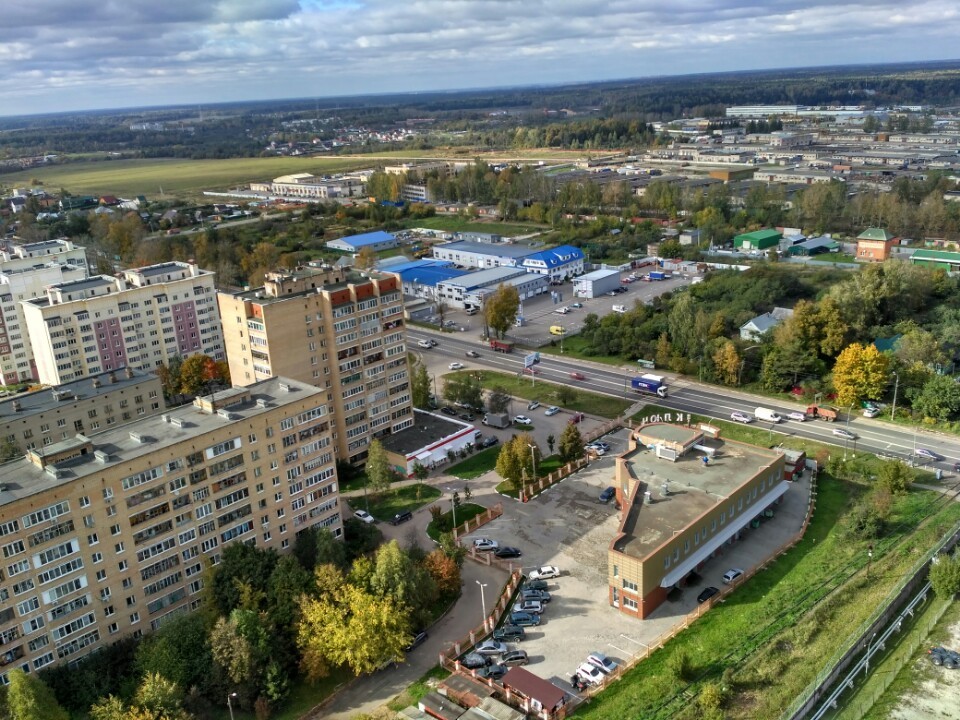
468 289
482 255
758 240
596 283
376 241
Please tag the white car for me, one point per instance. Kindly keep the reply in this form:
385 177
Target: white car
533 405
926 454
552 410
485 545
544 573
491 647
426 344
741 418
845 434
732 574
456 366
522 420
534 607
364 516
590 673
602 662
798 416
595 449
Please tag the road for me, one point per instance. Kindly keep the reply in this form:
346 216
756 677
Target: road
873 436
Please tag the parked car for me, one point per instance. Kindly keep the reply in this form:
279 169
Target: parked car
603 663
871 412
418 640
493 672
491 647
798 416
507 552
522 420
576 305
524 619
512 633
552 410
732 574
943 656
544 573
485 544
536 584
514 658
456 366
594 449
577 376
466 416
602 445
489 441
401 517
706 594
741 418
472 661
590 673
533 405
845 434
608 494
447 410
541 596
364 516
575 418
472 354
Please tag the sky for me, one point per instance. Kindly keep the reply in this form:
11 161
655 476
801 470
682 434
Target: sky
63 55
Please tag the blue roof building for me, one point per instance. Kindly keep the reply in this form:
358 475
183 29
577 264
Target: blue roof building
421 277
559 263
376 241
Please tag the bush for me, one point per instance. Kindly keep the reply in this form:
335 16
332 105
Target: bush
681 666
945 576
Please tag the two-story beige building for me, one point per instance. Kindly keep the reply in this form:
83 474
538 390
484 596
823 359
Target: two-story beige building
107 535
684 494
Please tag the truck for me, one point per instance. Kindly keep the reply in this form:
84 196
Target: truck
766 414
824 413
504 346
652 384
497 420
657 275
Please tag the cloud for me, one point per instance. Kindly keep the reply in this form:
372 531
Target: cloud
88 53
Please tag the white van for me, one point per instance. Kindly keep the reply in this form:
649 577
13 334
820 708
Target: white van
619 308
766 414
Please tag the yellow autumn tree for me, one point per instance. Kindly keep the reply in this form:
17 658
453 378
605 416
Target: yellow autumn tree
726 360
860 373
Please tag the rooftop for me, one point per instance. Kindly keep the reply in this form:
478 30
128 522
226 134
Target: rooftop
499 249
88 388
936 255
371 238
553 257
428 429
598 275
693 488
23 478
489 276
876 234
305 280
429 274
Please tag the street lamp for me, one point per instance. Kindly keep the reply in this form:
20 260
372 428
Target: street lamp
893 410
230 697
483 603
869 559
533 457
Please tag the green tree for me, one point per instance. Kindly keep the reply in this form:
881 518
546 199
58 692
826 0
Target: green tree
860 373
945 576
566 395
318 546
28 698
571 443
895 477
509 466
365 260
551 441
498 400
179 651
419 384
170 376
9 450
378 469
464 388
501 308
939 398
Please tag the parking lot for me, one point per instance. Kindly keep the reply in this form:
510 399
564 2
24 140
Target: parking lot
568 527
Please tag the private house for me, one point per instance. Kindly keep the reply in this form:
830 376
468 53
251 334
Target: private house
875 244
753 329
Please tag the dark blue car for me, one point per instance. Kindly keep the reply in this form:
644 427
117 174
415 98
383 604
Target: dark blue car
608 494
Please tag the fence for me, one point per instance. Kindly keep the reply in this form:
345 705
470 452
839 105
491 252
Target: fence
479 521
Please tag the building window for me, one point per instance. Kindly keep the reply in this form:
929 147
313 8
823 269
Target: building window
629 603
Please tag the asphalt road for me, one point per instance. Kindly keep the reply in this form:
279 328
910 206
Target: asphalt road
873 435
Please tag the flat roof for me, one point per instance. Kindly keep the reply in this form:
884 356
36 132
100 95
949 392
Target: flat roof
82 389
371 238
427 429
161 268
597 275
21 478
482 278
350 277
694 488
85 283
429 275
495 249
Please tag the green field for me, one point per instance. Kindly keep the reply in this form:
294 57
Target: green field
477 464
127 178
455 223
546 392
383 506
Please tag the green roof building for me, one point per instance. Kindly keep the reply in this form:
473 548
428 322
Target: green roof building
949 261
878 234
758 240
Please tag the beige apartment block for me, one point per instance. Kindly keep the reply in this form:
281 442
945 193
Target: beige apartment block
685 495
142 318
26 269
107 535
334 328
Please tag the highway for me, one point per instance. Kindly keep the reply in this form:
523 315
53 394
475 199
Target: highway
685 395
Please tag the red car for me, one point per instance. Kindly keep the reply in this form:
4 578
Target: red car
531 370
577 376
577 417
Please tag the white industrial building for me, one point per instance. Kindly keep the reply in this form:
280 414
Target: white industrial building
596 283
468 289
482 255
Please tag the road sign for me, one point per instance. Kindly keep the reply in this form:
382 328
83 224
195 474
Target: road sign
530 360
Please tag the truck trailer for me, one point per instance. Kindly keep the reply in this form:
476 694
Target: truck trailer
504 346
652 384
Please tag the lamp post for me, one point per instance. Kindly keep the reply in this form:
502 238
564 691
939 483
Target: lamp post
230 697
869 559
849 413
483 603
533 458
893 410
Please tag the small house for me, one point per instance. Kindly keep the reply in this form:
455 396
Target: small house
753 329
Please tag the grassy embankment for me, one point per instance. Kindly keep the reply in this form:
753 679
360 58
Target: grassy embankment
546 392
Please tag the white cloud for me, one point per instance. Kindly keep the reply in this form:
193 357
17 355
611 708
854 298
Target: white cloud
83 53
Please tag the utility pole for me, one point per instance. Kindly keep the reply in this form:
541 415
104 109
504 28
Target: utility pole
893 410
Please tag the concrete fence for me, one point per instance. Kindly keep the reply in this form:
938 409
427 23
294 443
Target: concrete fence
479 521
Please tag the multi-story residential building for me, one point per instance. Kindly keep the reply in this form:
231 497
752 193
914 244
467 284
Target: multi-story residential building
334 328
680 508
86 406
142 318
107 535
26 269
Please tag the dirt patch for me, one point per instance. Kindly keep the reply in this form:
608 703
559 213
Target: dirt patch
937 695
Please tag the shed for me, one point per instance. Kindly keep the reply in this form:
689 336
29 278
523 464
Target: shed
758 239
535 692
815 246
443 708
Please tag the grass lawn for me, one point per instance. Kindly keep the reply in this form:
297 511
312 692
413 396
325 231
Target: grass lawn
546 466
455 223
466 511
546 392
355 483
575 346
777 630
413 694
128 178
412 497
477 464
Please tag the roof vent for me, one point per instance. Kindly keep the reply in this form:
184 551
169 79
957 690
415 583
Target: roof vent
113 378
102 456
166 417
96 383
262 403
226 414
128 372
138 437
177 422
53 471
284 386
648 498
16 406
665 489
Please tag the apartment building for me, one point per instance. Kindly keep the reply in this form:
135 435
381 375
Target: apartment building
26 269
105 536
89 405
141 318
334 328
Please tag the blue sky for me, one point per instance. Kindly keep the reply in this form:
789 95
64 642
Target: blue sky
59 55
